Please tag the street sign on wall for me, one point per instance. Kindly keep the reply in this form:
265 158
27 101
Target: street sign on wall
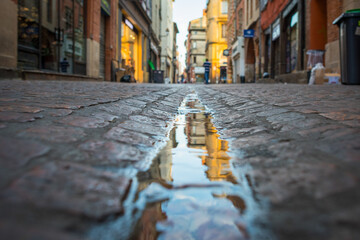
249 33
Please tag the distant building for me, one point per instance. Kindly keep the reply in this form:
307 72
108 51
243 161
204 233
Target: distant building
167 38
196 48
155 47
62 39
235 42
216 40
175 57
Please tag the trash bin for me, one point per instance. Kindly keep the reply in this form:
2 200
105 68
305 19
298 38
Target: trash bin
349 26
158 76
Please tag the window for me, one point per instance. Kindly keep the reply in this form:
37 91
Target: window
68 18
194 59
223 30
224 7
194 44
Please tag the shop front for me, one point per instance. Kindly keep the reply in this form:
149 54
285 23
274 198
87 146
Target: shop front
129 48
291 17
276 51
51 35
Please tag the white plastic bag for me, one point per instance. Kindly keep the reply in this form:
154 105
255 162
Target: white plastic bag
318 67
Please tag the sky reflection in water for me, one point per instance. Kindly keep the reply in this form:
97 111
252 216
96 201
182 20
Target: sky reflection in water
189 189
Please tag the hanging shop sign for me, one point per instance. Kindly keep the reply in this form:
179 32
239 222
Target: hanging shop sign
276 32
249 33
129 24
105 6
226 52
294 19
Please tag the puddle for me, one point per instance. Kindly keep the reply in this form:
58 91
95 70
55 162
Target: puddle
190 191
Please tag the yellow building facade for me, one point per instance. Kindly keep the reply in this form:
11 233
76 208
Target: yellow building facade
216 14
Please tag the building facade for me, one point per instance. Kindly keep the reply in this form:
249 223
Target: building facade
60 39
251 44
197 42
64 37
167 38
322 34
235 42
216 43
175 64
297 34
155 47
135 42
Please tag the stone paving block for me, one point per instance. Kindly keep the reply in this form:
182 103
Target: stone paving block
84 122
160 114
130 137
15 153
134 102
251 141
59 112
120 109
151 121
271 112
341 116
242 131
31 231
317 180
109 152
20 108
71 188
142 127
285 117
19 117
56 134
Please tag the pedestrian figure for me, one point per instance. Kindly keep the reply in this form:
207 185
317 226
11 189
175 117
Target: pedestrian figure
64 64
207 66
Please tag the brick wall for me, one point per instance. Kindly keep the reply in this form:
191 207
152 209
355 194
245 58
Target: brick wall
93 20
110 30
351 4
334 10
272 11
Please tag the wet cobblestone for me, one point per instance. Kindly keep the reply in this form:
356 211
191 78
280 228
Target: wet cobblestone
64 147
303 146
70 149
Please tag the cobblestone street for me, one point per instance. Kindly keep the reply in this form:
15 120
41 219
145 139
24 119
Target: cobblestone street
69 152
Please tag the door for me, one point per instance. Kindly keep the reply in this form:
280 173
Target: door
28 34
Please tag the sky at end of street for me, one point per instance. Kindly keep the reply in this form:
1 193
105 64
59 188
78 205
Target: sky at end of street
184 12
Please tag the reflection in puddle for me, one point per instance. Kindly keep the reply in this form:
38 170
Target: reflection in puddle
190 190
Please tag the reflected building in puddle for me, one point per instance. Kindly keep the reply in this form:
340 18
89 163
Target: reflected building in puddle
178 173
161 167
202 134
